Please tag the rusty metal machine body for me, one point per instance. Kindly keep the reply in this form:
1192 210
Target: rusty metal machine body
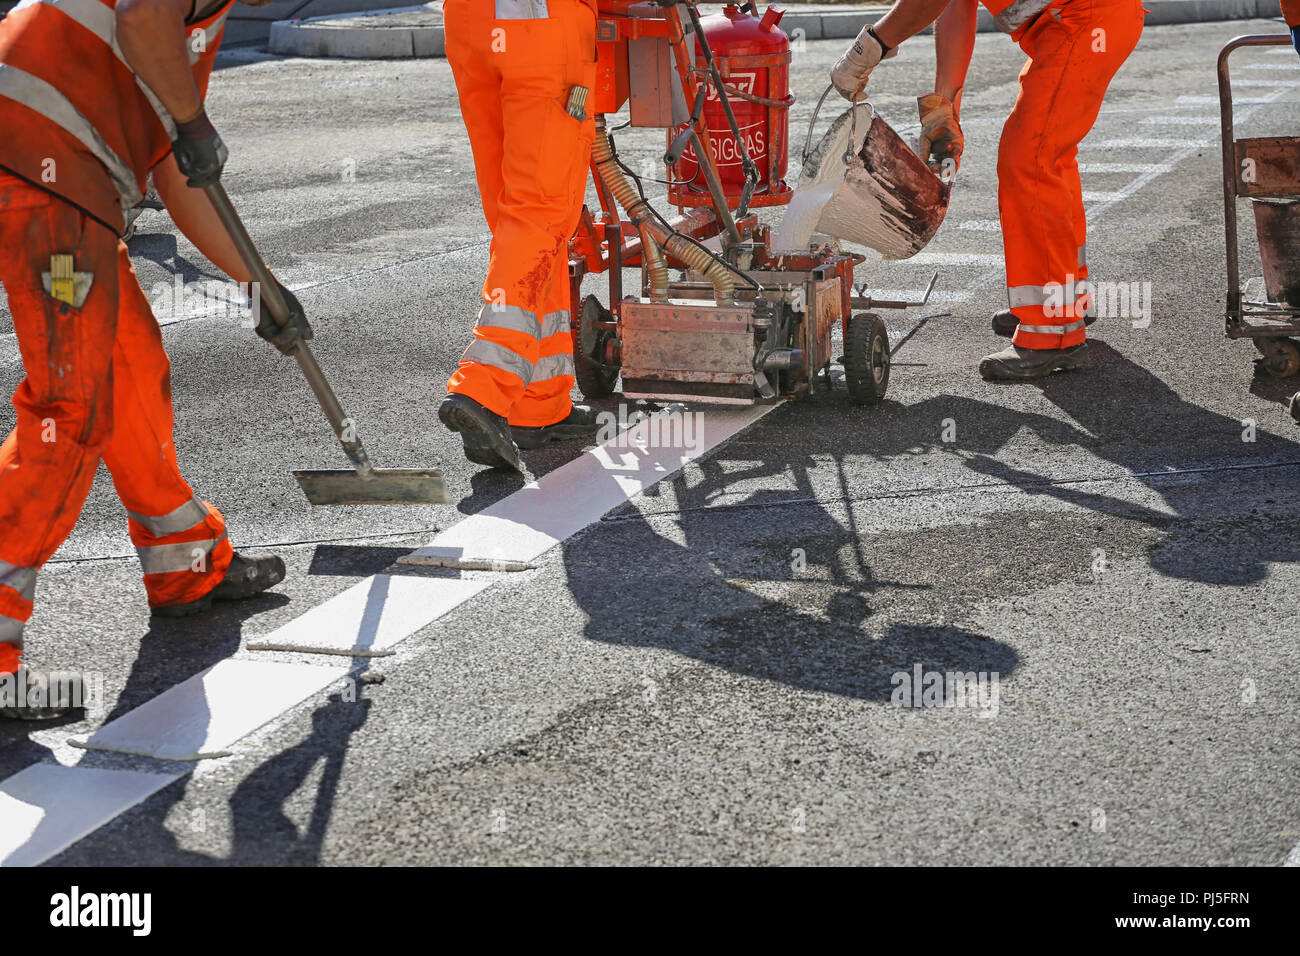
1265 170
743 322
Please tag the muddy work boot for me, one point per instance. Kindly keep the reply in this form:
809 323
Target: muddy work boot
486 434
580 424
1004 323
41 695
1015 364
248 575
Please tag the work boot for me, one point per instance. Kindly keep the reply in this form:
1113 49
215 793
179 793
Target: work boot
1004 323
486 434
33 695
1014 363
248 574
579 424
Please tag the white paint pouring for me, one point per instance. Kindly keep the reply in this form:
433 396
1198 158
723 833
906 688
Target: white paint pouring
47 807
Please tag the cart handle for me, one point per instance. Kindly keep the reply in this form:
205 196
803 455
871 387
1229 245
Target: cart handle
1230 171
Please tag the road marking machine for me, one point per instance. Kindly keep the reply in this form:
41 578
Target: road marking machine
746 319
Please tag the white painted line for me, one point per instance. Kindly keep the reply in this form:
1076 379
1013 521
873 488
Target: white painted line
914 295
204 715
370 617
46 808
1214 101
1293 858
1266 82
561 503
1147 144
1274 66
1181 121
1095 196
954 259
980 225
1118 167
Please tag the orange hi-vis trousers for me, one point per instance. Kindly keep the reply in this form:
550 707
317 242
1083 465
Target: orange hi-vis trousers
1075 48
515 62
97 388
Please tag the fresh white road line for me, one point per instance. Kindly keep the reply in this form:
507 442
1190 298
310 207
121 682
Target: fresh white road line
1181 121
1214 100
368 618
1119 167
1274 66
1099 196
915 295
1148 144
206 714
1266 82
954 259
1293 858
46 808
980 225
545 512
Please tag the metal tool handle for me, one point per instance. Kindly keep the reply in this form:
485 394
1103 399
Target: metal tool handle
853 127
269 292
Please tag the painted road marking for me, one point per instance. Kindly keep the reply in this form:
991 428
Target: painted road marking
47 807
955 259
206 714
1274 66
1148 144
370 617
1266 82
1118 167
980 225
561 503
1214 100
1181 121
914 295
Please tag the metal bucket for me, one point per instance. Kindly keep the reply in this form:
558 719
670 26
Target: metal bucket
864 184
1277 224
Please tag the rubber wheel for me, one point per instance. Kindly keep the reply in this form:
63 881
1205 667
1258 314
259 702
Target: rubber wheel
1281 358
866 358
595 380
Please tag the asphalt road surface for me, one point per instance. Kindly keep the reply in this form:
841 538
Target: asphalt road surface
707 674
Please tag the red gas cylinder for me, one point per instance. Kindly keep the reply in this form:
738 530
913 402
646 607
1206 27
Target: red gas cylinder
753 56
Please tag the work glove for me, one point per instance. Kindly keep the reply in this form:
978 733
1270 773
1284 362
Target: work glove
284 337
199 151
942 141
850 72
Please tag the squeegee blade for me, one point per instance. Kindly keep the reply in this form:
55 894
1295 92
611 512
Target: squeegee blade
388 486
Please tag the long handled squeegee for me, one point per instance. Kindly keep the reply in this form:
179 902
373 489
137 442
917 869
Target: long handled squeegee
367 485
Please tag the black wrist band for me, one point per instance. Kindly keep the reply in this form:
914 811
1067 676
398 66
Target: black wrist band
884 48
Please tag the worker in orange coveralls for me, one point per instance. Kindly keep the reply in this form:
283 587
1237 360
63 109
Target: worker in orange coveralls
94 96
523 69
1291 14
1075 48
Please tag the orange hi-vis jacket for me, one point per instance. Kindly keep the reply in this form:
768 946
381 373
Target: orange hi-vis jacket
1291 12
76 119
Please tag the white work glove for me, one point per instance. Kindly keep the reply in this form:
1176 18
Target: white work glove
850 72
941 141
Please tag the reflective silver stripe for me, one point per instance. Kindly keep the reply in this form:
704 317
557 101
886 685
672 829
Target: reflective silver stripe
34 93
549 366
1083 255
521 10
498 356
102 21
508 317
1019 13
22 580
553 323
209 37
1053 329
11 631
1022 295
180 519
170 558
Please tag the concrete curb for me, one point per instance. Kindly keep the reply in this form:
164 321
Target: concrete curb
334 37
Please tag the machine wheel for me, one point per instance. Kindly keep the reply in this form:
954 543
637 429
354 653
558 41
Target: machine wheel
866 358
1294 407
595 379
1281 357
